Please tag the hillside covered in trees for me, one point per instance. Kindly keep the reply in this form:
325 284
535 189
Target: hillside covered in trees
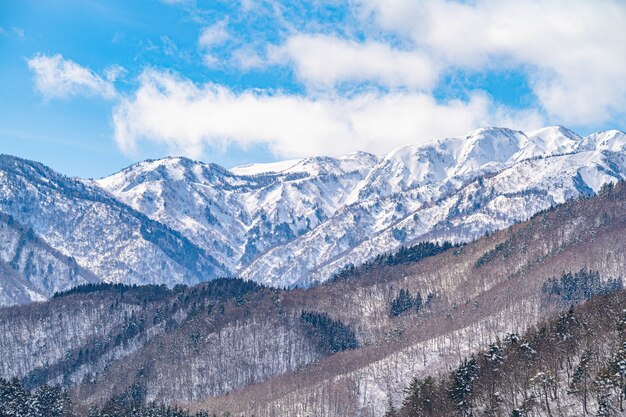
571 365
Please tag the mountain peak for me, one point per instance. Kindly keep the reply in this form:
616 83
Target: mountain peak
554 130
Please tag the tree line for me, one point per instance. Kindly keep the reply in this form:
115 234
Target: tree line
404 255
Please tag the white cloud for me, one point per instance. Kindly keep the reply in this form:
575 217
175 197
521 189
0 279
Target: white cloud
573 51
247 58
114 72
56 77
329 60
210 38
171 110
213 35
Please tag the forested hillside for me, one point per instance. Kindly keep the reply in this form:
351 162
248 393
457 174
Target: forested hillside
471 295
571 365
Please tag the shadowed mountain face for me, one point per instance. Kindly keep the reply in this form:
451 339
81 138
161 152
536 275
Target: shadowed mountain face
341 348
30 269
109 239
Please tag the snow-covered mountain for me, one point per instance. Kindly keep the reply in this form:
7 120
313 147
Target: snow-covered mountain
30 270
237 218
299 221
101 235
294 222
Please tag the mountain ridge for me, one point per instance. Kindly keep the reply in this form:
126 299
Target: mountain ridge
103 235
298 222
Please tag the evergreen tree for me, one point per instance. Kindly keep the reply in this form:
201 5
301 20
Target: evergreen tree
50 401
581 380
616 373
420 399
418 302
462 384
14 400
403 302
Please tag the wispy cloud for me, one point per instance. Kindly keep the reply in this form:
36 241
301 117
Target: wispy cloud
191 7
114 72
211 37
56 77
19 32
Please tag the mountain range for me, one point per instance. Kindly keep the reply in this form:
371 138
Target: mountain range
288 224
346 347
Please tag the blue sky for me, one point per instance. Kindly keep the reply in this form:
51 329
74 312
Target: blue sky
89 86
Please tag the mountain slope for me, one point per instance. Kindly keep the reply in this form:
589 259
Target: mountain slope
219 341
237 218
30 270
484 290
454 189
104 236
300 221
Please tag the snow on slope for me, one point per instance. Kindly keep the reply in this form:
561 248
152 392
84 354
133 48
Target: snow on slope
100 234
293 222
256 169
299 221
237 218
30 270
455 192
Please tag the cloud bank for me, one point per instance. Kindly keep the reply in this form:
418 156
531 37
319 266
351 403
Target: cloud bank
172 110
573 52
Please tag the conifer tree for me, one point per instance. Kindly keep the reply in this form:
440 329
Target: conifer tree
403 302
462 384
581 380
